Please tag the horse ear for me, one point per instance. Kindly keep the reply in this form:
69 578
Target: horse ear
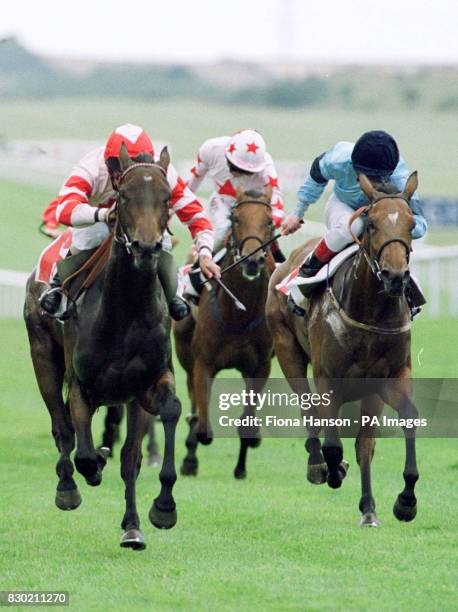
124 159
411 185
268 193
164 159
367 187
240 194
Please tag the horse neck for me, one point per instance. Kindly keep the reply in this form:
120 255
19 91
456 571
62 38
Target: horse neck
253 293
128 293
364 299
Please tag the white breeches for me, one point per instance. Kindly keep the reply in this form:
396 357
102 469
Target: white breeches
90 237
337 215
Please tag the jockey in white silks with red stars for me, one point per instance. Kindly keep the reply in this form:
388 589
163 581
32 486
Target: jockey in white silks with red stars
375 154
86 198
231 162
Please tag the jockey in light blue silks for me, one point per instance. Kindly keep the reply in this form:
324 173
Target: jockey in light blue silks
376 155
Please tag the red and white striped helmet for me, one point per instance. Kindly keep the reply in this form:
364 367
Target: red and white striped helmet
247 150
133 136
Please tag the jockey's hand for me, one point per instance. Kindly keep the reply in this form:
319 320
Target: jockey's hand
208 267
290 225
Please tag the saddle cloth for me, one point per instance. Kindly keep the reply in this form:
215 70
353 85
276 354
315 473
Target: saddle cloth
292 284
51 256
190 278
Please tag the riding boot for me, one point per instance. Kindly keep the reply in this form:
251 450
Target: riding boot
168 275
50 300
415 298
320 256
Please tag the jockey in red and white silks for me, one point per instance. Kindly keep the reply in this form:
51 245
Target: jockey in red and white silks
87 196
235 161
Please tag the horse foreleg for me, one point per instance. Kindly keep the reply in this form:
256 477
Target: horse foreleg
398 397
88 462
250 436
190 463
112 422
154 457
371 406
332 445
163 511
293 362
131 459
202 379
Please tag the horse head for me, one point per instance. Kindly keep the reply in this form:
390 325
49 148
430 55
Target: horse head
252 225
142 207
387 238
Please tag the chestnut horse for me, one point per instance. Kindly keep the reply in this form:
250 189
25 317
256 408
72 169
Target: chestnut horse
115 349
224 337
356 328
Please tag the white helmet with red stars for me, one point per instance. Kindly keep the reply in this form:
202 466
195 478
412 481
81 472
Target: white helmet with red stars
247 150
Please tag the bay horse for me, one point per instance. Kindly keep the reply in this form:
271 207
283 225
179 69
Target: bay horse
356 328
114 350
224 337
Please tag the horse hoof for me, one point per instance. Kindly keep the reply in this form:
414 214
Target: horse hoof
239 473
369 519
161 519
68 500
253 442
404 512
317 473
189 468
133 538
95 480
104 452
154 460
335 482
203 438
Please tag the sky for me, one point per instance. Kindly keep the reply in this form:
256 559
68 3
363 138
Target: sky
362 31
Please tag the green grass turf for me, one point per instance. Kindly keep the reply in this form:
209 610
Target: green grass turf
271 542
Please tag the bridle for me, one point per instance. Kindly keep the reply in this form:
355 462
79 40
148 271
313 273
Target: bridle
119 233
237 247
374 261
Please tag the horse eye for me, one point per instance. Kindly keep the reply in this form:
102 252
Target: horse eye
370 225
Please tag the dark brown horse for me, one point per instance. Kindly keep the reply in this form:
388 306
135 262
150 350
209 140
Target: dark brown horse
357 328
224 337
115 350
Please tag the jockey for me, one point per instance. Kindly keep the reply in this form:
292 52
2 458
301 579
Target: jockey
86 198
376 155
235 161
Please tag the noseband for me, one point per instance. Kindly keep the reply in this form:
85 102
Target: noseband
374 261
120 235
238 247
